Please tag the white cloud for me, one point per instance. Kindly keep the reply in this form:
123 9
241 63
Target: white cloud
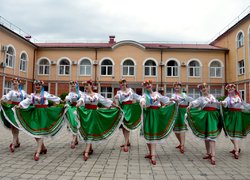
140 20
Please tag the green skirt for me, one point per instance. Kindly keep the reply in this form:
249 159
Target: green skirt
40 122
180 124
7 116
71 119
98 125
237 123
158 123
205 124
132 116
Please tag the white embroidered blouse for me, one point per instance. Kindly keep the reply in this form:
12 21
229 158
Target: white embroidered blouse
154 100
14 96
130 95
36 100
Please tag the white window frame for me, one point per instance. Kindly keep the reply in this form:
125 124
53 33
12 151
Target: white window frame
216 92
242 94
215 68
44 66
85 67
23 63
172 69
10 58
195 69
64 66
150 68
194 92
107 68
105 93
169 92
7 87
240 40
129 68
241 69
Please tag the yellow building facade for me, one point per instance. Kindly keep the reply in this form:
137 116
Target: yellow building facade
224 60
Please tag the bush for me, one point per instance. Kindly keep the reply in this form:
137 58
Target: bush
51 103
221 98
63 96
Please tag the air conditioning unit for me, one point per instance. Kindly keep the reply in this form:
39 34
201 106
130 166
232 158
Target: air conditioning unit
95 62
53 62
161 64
183 64
2 64
4 48
74 62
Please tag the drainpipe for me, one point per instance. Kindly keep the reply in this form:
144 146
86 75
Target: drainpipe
95 83
161 67
34 65
161 89
225 72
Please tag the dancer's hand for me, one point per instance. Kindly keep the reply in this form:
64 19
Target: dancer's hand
79 104
18 106
143 104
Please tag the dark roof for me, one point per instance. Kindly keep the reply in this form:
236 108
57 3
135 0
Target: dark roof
74 45
146 45
184 46
16 34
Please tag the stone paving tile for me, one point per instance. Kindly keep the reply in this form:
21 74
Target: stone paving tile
110 162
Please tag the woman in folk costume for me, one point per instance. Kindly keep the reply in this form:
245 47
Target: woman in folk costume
132 111
180 126
158 119
96 124
16 95
39 120
205 121
70 115
236 121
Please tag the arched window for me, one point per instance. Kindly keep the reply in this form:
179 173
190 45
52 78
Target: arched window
194 68
172 68
240 40
215 69
23 62
128 68
10 57
106 67
85 67
64 67
44 67
150 68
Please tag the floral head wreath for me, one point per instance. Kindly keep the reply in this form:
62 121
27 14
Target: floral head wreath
87 82
177 83
73 82
122 80
16 79
201 86
229 86
147 82
38 82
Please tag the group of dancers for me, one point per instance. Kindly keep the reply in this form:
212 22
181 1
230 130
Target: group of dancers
92 118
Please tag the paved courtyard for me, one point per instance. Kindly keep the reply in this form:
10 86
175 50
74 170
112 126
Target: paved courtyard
109 162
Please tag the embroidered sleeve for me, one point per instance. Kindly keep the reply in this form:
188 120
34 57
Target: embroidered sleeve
51 97
8 96
26 102
104 101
